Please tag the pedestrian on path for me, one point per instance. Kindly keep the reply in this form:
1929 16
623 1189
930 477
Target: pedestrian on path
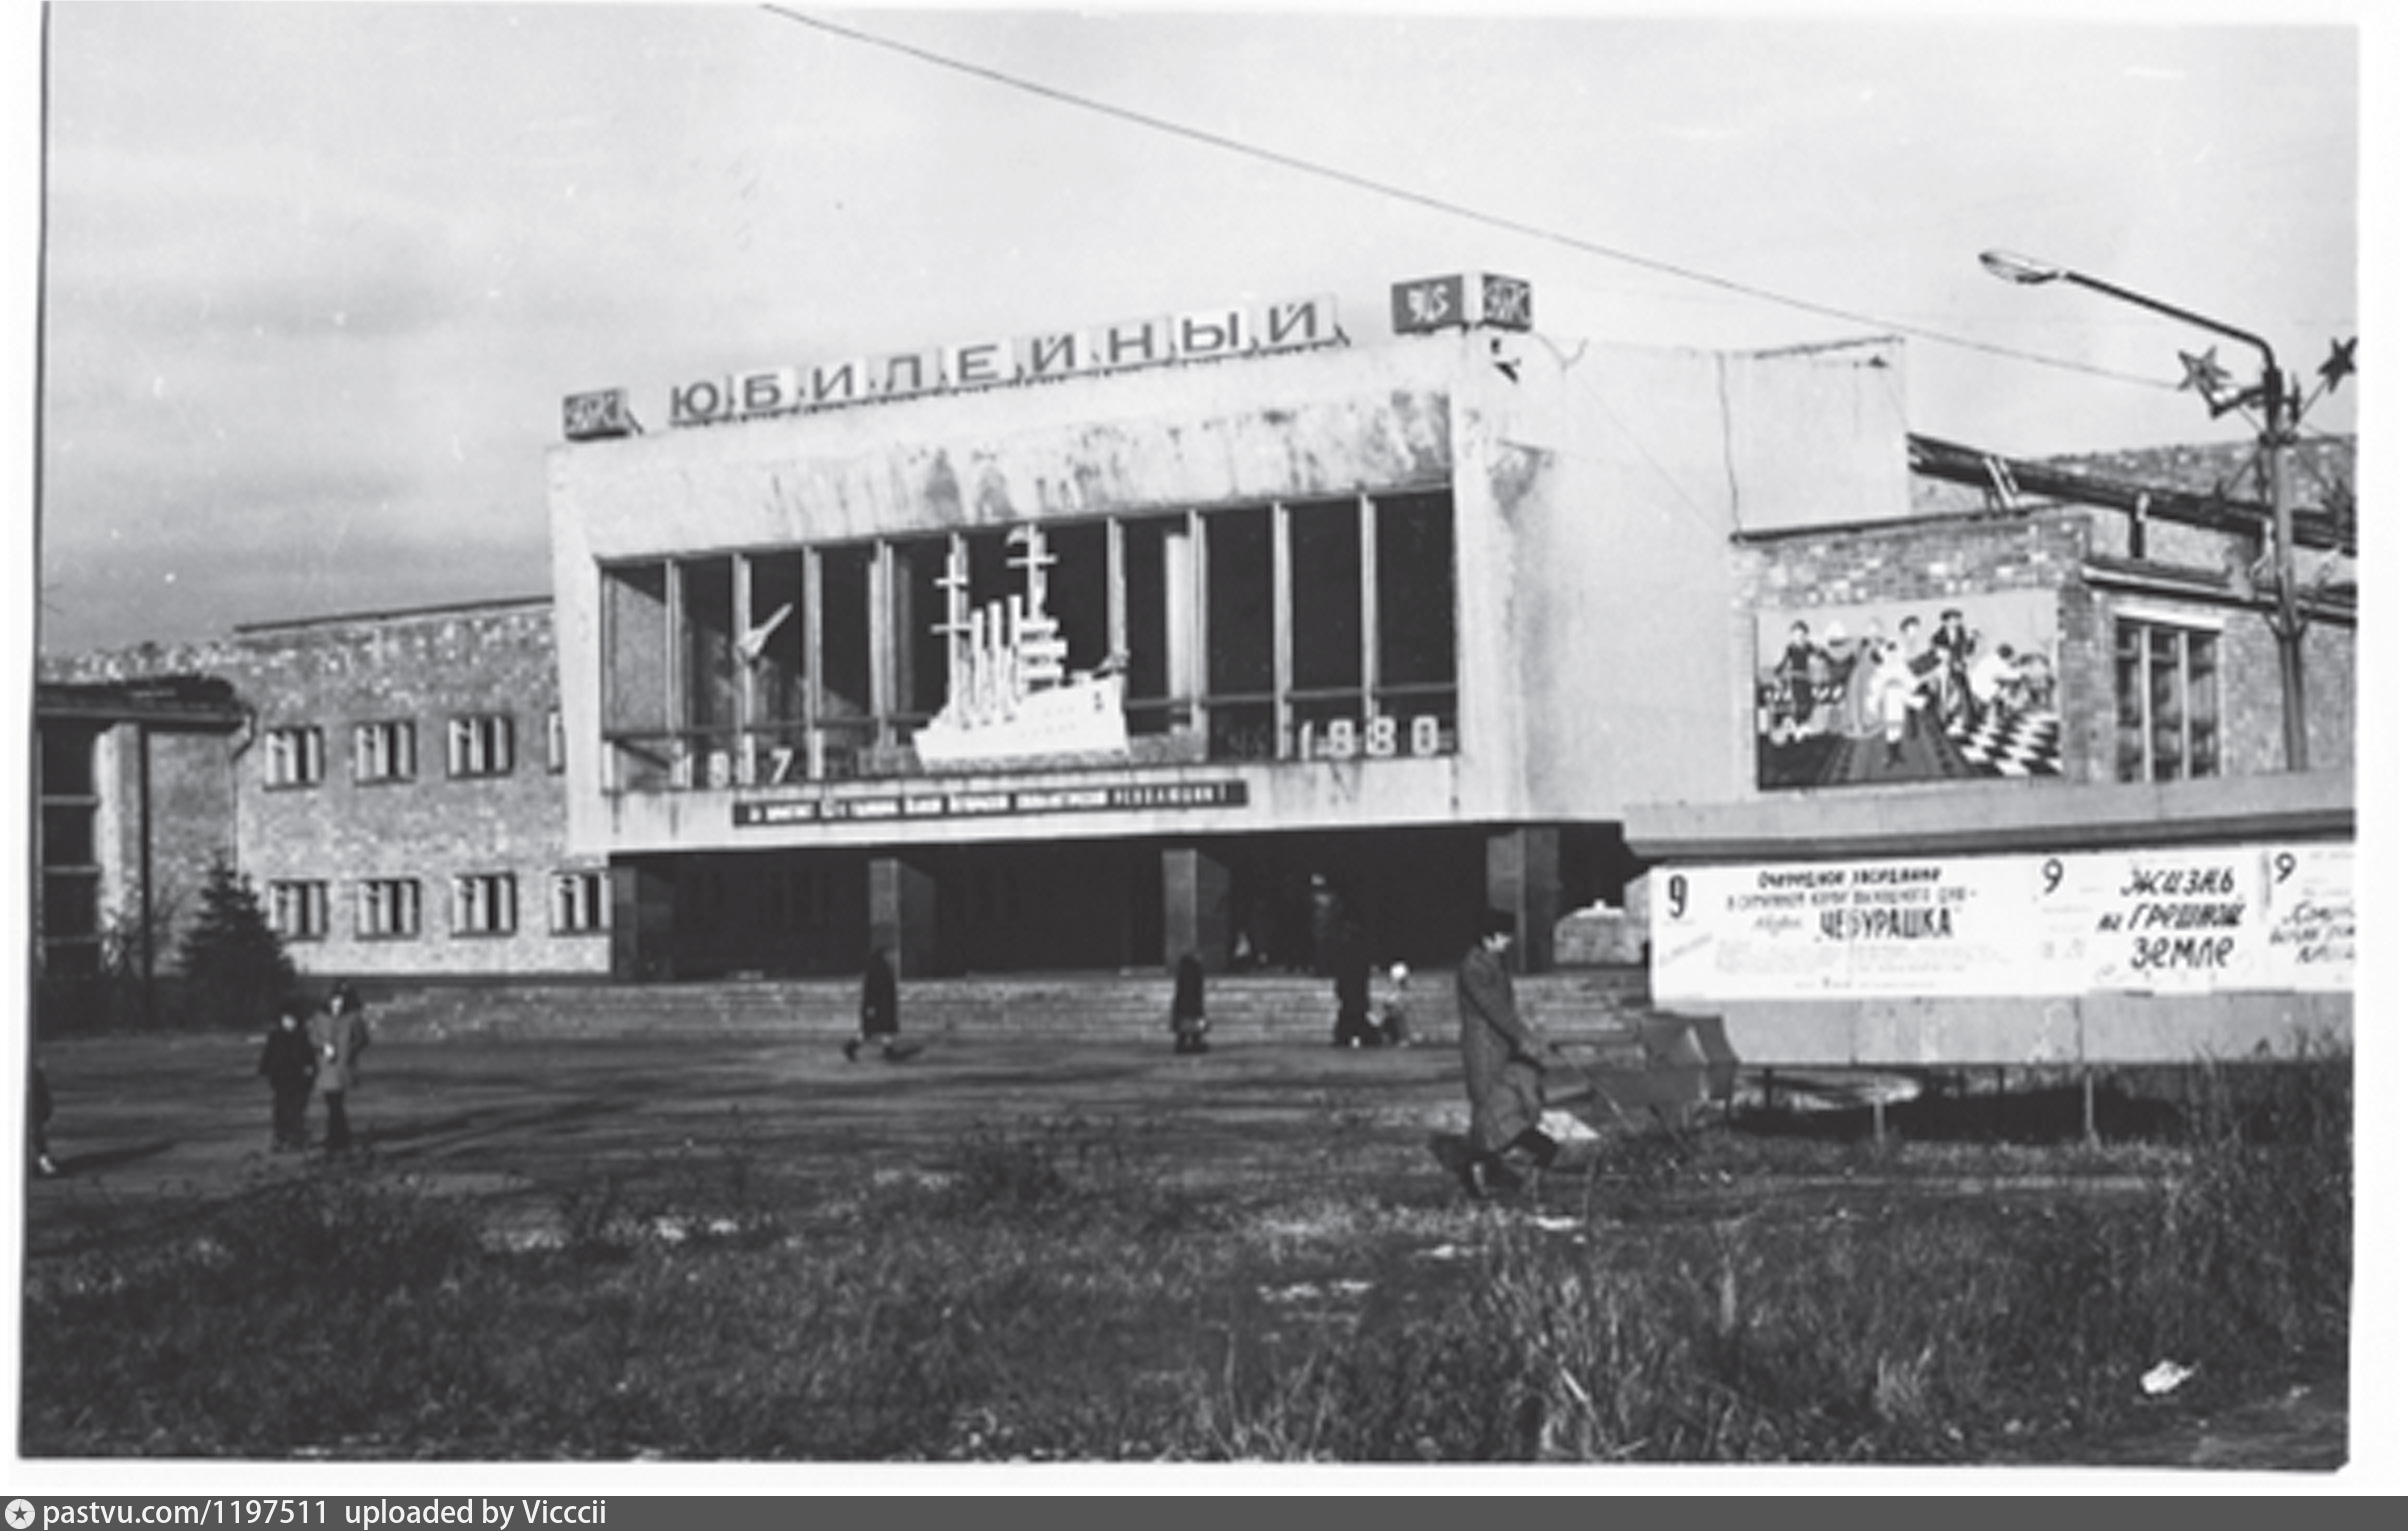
881 1013
1188 1022
289 1063
1502 1067
341 1035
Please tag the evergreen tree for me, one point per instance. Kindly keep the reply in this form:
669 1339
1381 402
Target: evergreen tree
234 963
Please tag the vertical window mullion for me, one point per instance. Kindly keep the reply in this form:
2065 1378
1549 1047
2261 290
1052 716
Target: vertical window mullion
814 664
882 642
1367 564
1116 590
1196 680
1283 631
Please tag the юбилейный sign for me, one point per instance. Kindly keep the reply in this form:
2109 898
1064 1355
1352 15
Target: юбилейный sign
2251 917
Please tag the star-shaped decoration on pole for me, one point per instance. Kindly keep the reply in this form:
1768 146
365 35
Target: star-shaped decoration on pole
2343 362
2204 374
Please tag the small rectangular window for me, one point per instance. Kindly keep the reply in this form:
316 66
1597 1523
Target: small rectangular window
297 910
481 745
555 743
484 904
388 909
296 757
386 751
578 903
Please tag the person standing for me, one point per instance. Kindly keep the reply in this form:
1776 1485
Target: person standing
1502 1069
1955 648
1188 1022
1396 1008
341 1036
1860 704
881 1012
289 1063
1797 676
1898 697
1349 959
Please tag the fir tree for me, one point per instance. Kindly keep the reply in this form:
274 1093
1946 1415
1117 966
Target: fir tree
234 962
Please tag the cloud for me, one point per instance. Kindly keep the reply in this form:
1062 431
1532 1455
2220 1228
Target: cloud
272 241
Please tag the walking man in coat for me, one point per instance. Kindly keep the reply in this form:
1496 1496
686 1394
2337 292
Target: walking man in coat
342 1035
1501 1065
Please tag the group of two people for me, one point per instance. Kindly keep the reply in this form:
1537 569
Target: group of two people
309 1051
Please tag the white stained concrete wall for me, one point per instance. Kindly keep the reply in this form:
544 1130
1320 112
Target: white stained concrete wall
1636 664
1596 489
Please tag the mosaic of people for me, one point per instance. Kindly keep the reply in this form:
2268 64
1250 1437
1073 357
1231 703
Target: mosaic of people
1907 691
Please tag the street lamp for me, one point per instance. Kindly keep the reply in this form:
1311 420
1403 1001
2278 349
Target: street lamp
2274 434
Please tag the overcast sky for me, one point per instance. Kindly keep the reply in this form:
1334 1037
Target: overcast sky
315 276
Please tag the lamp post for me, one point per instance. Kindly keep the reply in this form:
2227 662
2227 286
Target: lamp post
2274 434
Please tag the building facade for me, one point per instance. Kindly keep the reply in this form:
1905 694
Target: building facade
1221 633
2019 790
389 783
1235 634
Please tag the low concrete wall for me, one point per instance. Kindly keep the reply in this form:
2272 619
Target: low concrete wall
2091 1028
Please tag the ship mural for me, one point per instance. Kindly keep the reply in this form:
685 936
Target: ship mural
1009 694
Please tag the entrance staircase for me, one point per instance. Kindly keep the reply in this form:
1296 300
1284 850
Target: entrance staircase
1596 1007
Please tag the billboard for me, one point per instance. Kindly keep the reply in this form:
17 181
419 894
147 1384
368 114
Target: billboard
1898 691
2276 917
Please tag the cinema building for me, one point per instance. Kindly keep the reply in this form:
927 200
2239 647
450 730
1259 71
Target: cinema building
1210 633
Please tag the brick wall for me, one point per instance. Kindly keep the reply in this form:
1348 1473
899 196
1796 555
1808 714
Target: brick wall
423 668
2052 548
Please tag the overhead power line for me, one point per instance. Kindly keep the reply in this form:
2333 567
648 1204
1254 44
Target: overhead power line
1452 209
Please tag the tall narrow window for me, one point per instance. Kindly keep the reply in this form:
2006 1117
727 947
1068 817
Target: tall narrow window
1153 685
635 677
2167 709
384 751
480 745
918 606
776 668
1325 576
1238 634
707 614
296 757
484 904
388 909
297 910
847 726
1416 594
580 903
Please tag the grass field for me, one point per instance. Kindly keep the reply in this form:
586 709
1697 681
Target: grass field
1017 1250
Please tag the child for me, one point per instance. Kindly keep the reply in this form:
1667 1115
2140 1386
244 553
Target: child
289 1063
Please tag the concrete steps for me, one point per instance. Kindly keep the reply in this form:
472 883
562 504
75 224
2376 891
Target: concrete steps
1597 1006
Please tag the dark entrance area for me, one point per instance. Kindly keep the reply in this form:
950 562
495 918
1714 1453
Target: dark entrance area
1277 901
1416 896
770 914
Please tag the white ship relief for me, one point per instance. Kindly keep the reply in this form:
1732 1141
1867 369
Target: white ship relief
1010 695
